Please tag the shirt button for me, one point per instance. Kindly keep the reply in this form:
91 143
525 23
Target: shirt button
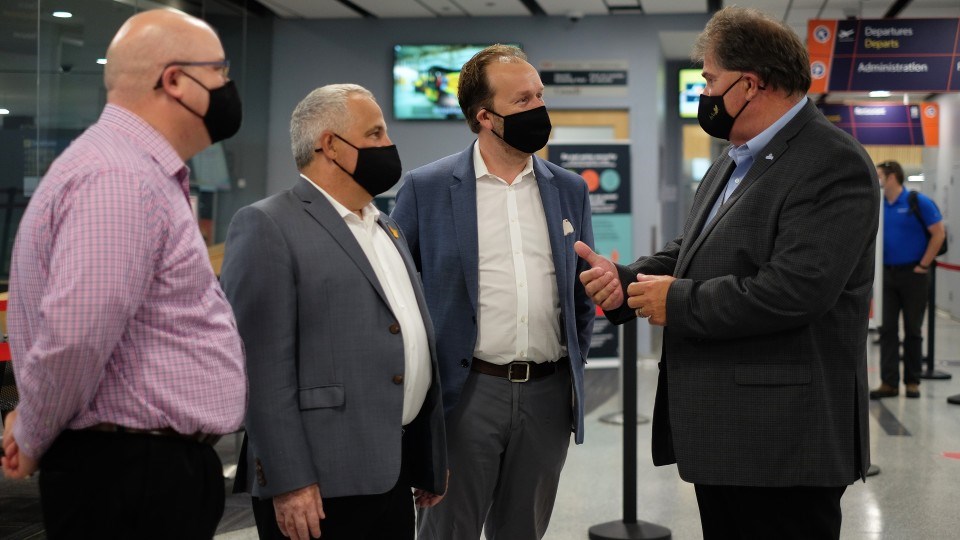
398 379
394 328
523 319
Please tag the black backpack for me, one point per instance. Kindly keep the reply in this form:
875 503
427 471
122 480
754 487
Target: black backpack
915 209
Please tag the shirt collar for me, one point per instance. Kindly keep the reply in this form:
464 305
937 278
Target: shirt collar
371 214
480 168
147 137
753 147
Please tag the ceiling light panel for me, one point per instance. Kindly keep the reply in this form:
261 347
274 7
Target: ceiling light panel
661 7
494 8
310 9
562 8
395 8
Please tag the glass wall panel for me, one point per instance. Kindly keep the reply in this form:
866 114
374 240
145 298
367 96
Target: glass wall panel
51 89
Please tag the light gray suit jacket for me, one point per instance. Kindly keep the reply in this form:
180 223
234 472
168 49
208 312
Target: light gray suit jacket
325 355
763 377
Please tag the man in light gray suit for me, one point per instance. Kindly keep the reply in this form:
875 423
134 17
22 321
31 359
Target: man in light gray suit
345 413
762 397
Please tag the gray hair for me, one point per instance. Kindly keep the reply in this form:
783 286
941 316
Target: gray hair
323 109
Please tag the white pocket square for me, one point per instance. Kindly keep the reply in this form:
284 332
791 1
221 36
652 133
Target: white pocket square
567 227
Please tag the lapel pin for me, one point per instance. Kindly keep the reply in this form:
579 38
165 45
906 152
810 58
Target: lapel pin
770 157
395 233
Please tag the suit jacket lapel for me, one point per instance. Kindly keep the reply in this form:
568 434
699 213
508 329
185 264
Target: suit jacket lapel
550 198
764 160
463 200
714 184
326 215
393 231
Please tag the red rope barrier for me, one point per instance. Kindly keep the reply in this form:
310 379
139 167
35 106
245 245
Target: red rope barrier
948 266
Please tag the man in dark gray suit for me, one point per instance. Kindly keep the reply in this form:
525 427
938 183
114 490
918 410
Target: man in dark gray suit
345 399
762 397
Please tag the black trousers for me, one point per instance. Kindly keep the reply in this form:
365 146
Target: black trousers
387 516
762 513
121 485
904 291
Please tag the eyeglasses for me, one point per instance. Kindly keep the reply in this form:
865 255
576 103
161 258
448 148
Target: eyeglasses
222 65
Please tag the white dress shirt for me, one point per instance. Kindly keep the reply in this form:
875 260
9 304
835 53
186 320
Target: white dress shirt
396 282
519 307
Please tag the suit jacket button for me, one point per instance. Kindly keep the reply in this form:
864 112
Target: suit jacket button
394 328
261 478
398 379
464 363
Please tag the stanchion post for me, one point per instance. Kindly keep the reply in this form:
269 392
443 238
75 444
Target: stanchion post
931 372
629 528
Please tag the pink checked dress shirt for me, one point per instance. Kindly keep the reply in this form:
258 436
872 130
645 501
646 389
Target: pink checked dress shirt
115 314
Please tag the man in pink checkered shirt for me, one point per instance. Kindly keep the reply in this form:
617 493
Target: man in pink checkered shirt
126 352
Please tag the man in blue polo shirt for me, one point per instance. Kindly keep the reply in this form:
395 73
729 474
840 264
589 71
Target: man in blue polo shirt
909 248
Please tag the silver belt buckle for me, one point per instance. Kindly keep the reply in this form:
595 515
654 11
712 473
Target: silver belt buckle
526 375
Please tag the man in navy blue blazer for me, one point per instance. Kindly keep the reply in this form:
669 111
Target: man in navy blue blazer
492 231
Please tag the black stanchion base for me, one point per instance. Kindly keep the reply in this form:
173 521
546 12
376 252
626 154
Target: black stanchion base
954 399
873 470
935 374
618 530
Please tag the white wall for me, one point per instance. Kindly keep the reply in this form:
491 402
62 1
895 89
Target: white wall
945 171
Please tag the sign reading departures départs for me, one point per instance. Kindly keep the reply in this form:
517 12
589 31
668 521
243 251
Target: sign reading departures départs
907 55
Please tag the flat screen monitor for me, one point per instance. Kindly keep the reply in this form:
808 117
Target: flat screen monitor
691 84
425 80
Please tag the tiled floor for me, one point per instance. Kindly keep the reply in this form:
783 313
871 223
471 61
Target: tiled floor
915 442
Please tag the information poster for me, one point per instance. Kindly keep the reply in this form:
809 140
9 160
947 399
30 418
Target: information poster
605 167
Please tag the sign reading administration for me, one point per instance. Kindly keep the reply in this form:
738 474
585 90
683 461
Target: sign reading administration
906 55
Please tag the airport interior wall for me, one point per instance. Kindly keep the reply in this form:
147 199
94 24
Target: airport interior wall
306 54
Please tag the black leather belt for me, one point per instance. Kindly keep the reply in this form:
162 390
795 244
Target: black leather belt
203 438
518 371
908 266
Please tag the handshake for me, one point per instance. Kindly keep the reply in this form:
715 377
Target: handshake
647 296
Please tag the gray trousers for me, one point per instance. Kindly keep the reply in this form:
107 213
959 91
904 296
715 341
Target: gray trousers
506 445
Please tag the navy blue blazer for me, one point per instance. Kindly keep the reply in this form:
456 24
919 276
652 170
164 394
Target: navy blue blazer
437 211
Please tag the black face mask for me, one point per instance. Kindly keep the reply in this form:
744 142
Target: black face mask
378 167
225 112
713 116
527 131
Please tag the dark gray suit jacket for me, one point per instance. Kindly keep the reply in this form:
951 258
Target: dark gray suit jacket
324 355
763 376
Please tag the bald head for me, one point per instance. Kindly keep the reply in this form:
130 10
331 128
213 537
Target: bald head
149 41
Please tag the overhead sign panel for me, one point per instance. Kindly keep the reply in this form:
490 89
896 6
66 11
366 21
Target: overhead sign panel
907 55
887 123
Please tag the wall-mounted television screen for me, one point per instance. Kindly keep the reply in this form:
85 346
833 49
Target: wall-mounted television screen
691 84
425 80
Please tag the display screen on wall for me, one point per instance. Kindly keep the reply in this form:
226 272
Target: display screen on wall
425 79
691 84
